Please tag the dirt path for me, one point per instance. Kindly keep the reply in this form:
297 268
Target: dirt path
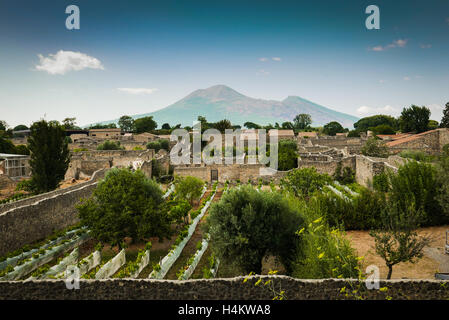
190 247
434 260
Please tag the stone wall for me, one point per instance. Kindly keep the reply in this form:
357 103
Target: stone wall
36 218
328 166
84 163
431 142
219 289
6 182
368 167
242 172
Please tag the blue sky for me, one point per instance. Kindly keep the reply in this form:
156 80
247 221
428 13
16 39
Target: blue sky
319 50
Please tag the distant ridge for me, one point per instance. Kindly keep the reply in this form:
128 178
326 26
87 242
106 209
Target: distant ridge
221 102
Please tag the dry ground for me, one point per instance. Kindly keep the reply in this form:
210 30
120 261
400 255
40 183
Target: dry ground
434 259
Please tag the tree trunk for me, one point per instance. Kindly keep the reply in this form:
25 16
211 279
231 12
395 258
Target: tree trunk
390 271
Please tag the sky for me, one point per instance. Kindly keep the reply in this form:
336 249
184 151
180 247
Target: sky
133 57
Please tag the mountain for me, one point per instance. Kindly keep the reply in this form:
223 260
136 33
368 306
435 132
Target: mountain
221 102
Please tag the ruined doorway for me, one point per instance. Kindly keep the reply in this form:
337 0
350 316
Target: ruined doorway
214 175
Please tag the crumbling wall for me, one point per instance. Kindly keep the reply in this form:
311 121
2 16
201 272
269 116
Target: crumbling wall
36 218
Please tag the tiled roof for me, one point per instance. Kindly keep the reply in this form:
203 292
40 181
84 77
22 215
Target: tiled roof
408 138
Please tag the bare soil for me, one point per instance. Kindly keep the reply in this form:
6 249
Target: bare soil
434 259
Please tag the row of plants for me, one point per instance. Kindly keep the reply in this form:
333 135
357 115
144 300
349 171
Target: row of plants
181 273
36 260
211 269
15 197
183 234
130 268
29 249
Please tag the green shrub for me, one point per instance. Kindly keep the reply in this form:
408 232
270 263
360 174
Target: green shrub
323 252
304 181
360 213
375 148
416 184
110 145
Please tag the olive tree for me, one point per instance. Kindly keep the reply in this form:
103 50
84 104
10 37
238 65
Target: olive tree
188 188
125 204
245 225
396 240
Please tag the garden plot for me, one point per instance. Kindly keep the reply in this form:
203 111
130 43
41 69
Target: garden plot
187 271
42 257
12 261
112 266
60 267
161 269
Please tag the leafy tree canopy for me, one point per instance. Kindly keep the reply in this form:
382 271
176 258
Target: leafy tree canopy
302 121
414 119
50 155
332 128
126 123
145 124
366 123
246 225
445 120
125 204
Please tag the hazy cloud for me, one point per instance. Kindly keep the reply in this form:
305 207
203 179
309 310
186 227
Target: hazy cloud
365 110
400 43
276 59
425 46
138 90
263 59
65 61
263 72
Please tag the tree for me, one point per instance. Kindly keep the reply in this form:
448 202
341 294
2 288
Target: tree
414 119
69 123
110 145
50 155
445 120
222 125
20 127
332 128
166 126
287 155
3 125
375 148
246 225
305 181
302 121
6 146
125 204
382 129
287 125
433 124
366 123
126 123
103 126
397 240
251 125
188 188
145 124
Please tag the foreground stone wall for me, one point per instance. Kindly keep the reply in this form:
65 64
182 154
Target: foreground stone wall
221 289
36 218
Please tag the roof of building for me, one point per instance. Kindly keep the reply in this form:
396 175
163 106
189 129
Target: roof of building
106 129
409 138
282 133
395 136
308 134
